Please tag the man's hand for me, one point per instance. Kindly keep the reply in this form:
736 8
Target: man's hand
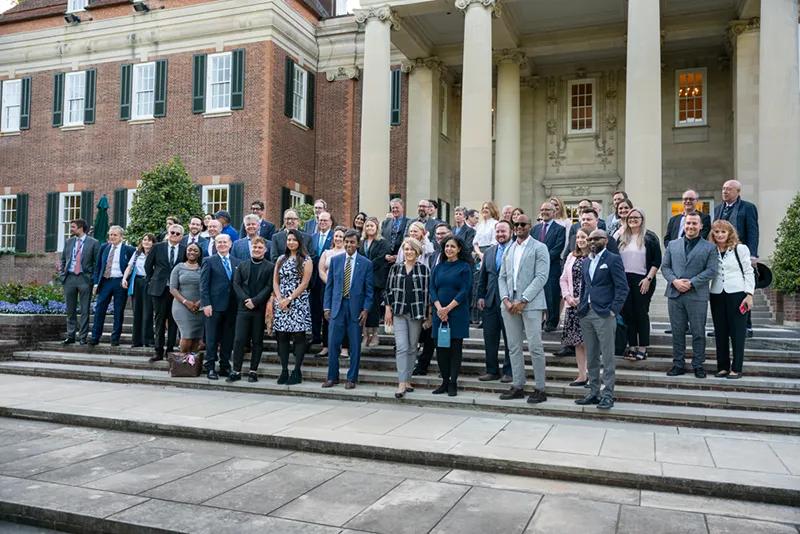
390 258
681 284
124 283
481 304
208 311
249 304
327 315
362 318
509 305
388 318
518 306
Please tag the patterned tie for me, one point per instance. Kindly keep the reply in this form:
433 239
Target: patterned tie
109 261
542 232
726 212
172 256
227 265
76 262
348 271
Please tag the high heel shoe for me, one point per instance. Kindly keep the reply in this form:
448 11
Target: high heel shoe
441 389
399 394
284 377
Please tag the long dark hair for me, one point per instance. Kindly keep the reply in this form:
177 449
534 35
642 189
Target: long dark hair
140 248
365 217
302 253
463 253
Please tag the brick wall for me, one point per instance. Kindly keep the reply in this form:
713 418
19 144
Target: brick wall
786 312
39 268
28 330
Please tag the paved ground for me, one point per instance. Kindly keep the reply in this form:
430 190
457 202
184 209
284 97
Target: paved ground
120 480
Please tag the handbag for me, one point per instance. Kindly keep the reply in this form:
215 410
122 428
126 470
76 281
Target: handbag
131 281
185 365
443 336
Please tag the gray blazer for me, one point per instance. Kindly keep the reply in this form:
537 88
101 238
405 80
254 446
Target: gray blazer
531 278
89 255
700 267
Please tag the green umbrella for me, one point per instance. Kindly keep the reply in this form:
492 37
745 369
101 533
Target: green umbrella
101 220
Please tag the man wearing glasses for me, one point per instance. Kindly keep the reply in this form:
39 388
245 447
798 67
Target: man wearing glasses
266 228
291 221
320 206
158 266
675 226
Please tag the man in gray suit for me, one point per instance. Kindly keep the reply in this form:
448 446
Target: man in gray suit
78 262
690 263
291 221
489 304
523 275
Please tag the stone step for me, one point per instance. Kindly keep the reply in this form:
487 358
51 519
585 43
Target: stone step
707 417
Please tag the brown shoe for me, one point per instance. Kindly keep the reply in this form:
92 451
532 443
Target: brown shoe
329 383
488 376
506 379
349 385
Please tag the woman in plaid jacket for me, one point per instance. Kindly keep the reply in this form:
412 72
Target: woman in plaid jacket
407 307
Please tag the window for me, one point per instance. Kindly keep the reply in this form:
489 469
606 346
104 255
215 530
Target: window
8 222
296 198
74 94
443 93
69 209
11 105
144 87
704 205
394 83
76 5
690 98
299 95
215 198
218 82
581 106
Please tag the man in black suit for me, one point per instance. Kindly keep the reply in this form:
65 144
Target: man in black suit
426 215
553 235
489 302
265 228
291 221
194 237
461 229
218 300
158 266
214 228
78 263
393 229
676 222
112 261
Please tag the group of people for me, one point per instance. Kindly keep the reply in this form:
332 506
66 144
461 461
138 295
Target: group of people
429 282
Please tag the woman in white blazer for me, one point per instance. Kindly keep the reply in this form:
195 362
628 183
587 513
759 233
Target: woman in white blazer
731 297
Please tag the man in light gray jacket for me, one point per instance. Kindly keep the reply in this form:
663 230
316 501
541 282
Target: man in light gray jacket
521 282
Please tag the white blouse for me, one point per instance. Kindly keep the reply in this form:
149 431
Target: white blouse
729 276
484 233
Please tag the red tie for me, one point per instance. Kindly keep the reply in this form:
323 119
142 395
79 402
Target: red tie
76 267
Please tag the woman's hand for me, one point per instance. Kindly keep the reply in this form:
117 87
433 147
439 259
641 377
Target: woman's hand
747 302
427 323
644 286
442 314
388 317
283 304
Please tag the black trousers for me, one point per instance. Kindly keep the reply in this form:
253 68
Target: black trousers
219 338
449 360
729 323
375 313
428 346
317 295
249 328
285 340
493 327
162 310
552 295
636 311
142 313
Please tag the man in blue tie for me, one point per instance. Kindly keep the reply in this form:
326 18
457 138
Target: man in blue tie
489 304
321 241
218 301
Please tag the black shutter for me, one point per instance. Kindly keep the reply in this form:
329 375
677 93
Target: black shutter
288 97
199 84
236 203
88 103
237 79
198 191
286 198
160 101
309 200
58 101
310 86
51 223
87 206
126 83
25 107
395 88
21 244
120 206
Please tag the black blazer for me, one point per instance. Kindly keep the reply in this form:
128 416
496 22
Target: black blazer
608 288
466 233
215 288
380 267
743 217
554 239
277 246
386 232
159 269
611 246
265 230
487 278
674 227
241 284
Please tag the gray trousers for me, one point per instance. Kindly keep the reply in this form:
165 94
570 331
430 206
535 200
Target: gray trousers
598 334
517 327
406 334
685 314
77 288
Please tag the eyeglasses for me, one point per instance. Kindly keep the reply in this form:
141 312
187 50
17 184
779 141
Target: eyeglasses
521 224
634 218
256 208
175 233
687 199
596 238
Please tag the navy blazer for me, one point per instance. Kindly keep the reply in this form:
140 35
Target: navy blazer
674 227
361 292
215 288
265 230
386 232
202 242
744 218
555 239
608 288
310 227
125 255
315 243
241 249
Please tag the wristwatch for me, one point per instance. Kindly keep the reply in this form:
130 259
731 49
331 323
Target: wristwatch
649 278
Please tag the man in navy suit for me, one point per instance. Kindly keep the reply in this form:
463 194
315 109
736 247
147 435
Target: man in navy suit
553 235
310 227
348 298
218 300
112 262
242 248
605 289
265 228
194 237
320 242
393 229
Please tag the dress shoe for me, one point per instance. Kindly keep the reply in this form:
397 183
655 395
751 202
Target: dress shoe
234 377
115 342
349 385
488 377
711 334
537 396
93 342
212 375
606 403
224 372
156 358
452 389
136 345
699 372
82 342
329 383
734 376
676 371
565 351
295 377
419 371
409 389
284 377
441 389
749 332
588 399
578 383
506 379
668 331
513 393
399 394
68 341
252 377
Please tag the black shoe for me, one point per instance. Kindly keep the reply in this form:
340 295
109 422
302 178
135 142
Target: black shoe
136 345
224 372
699 373
668 331
419 371
606 403
295 377
513 393
234 377
252 376
284 377
452 389
68 341
82 341
506 379
565 351
93 342
711 334
749 332
441 389
588 399
212 375
537 396
578 383
488 377
156 358
115 343
676 371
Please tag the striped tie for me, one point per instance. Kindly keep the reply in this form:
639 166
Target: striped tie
348 271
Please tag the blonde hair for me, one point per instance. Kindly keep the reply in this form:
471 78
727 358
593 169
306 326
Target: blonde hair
560 210
578 253
626 236
733 235
415 245
493 213
419 225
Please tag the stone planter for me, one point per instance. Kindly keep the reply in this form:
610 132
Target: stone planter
785 308
27 330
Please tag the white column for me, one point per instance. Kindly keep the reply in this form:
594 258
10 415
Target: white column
778 117
476 103
375 105
422 174
643 111
744 39
507 155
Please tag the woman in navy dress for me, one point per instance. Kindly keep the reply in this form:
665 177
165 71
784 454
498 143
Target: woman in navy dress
450 288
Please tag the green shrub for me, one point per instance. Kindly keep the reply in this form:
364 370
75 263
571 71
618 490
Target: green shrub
14 292
305 212
786 260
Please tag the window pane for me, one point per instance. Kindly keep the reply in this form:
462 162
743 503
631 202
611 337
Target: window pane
12 97
581 108
219 82
144 84
299 97
690 97
74 92
8 222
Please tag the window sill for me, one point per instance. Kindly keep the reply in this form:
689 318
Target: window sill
10 134
578 135
697 125
141 121
299 124
216 114
72 127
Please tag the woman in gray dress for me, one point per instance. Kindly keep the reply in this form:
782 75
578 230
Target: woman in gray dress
184 285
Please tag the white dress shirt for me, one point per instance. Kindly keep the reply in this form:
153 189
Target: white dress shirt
729 275
116 272
519 250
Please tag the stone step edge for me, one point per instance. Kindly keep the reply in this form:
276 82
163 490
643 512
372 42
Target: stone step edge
452 460
629 412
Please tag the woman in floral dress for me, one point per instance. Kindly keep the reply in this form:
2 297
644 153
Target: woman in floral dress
571 288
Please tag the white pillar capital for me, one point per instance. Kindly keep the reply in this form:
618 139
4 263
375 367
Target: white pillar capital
343 73
432 63
464 5
510 55
383 14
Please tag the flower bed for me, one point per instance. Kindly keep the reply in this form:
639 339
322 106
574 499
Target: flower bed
33 308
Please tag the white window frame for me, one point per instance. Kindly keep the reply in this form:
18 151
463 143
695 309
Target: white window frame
211 107
129 201
219 205
444 93
63 222
67 94
570 85
74 6
8 228
7 103
296 198
687 124
140 89
300 94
